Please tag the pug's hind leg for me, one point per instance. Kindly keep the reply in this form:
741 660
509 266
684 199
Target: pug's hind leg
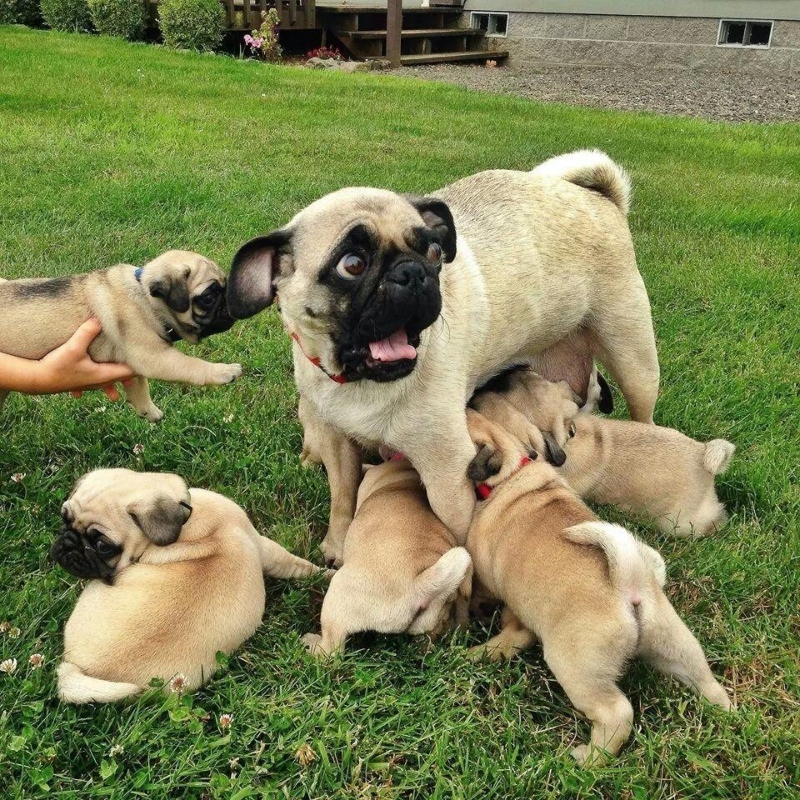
278 562
513 638
137 392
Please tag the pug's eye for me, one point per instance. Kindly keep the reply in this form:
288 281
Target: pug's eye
105 547
351 266
205 301
434 253
572 430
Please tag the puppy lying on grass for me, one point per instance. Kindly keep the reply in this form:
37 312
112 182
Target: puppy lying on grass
646 469
589 590
179 577
402 571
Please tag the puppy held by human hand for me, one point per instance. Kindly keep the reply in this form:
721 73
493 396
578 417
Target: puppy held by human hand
402 571
143 311
177 577
649 470
590 591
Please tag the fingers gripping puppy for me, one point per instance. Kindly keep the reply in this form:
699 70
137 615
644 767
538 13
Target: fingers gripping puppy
402 571
143 311
178 577
589 591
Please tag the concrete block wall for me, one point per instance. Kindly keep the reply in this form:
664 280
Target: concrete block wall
652 42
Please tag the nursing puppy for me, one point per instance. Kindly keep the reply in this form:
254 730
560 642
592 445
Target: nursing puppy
588 590
652 471
402 570
179 295
178 577
399 307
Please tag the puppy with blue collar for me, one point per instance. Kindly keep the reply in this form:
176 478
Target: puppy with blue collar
143 311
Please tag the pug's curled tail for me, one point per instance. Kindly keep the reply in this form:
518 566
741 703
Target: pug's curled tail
591 169
445 576
630 562
717 456
75 686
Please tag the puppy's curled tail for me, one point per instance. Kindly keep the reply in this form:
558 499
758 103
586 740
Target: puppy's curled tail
75 686
445 576
630 561
591 169
717 456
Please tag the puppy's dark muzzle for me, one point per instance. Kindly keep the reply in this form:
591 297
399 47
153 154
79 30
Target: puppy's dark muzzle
76 554
218 321
408 298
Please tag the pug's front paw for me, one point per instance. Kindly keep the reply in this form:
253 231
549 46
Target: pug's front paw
153 414
312 642
226 373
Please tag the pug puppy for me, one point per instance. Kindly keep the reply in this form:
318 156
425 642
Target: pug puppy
177 577
402 571
400 306
588 590
143 311
652 471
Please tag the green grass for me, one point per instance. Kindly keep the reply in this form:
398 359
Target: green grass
114 152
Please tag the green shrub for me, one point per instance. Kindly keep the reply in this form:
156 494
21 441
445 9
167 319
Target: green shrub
192 24
19 12
67 15
123 18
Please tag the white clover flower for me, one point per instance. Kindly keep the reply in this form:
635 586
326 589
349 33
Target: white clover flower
9 666
178 684
138 449
225 721
18 477
36 660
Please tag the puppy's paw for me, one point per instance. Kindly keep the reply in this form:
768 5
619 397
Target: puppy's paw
331 551
486 652
312 642
226 373
580 754
153 414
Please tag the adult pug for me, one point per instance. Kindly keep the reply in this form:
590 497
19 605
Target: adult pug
401 306
180 577
143 311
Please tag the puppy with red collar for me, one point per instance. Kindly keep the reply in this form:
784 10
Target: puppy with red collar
590 591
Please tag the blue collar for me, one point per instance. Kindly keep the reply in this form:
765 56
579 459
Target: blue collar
137 273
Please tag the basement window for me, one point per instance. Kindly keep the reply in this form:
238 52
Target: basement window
490 23
744 33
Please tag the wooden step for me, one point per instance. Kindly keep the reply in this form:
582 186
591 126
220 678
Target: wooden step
443 58
427 33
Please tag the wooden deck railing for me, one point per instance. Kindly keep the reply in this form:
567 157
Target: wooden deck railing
245 15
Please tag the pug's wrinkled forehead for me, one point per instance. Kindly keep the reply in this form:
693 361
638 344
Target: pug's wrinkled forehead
391 218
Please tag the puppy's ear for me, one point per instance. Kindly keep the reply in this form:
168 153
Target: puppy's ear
552 452
436 215
606 403
160 518
173 290
486 463
251 283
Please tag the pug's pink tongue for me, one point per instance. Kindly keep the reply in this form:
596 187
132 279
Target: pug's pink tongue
394 348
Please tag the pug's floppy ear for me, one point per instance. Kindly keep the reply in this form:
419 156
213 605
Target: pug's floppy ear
173 290
251 283
487 462
160 518
436 215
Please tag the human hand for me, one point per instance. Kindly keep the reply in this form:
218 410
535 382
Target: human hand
70 368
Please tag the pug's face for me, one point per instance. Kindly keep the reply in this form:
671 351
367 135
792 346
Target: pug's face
358 277
113 515
190 292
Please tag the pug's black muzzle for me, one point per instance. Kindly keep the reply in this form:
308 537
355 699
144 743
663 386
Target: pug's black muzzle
407 298
218 320
77 553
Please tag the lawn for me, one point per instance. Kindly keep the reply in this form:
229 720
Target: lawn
113 152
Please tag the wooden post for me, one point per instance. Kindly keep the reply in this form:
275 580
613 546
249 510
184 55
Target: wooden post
394 29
